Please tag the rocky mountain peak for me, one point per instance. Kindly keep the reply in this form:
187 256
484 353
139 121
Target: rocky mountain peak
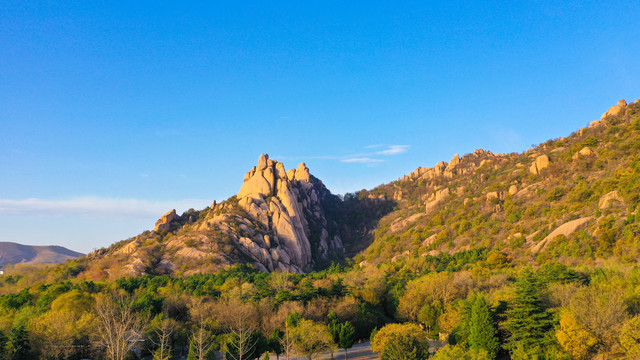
287 204
164 223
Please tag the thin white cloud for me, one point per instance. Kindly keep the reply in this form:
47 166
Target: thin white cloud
394 150
362 160
366 157
97 206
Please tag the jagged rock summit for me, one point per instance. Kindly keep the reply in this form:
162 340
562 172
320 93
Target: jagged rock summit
277 222
287 204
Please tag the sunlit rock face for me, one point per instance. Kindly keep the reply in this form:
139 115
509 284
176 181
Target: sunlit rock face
288 206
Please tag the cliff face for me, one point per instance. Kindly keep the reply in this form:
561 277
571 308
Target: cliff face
286 228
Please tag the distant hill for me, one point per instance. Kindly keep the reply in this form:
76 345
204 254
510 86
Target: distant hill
13 253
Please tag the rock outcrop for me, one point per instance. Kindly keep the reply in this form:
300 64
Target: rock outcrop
436 199
610 199
164 223
285 228
584 152
615 109
565 229
540 163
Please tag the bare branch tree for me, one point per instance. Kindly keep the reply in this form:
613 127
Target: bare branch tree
288 343
201 337
240 321
163 331
119 326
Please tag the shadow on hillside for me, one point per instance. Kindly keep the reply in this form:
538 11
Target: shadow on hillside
358 217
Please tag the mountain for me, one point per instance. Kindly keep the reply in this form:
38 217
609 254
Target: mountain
573 199
12 253
279 221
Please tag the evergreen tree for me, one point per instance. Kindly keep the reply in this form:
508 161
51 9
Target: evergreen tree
334 326
528 321
347 337
18 346
275 342
192 351
482 331
3 342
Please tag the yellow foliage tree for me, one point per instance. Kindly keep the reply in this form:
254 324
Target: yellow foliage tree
630 337
63 330
574 338
401 342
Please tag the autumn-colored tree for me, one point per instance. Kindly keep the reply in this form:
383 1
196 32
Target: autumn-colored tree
601 311
201 339
240 321
62 331
163 328
401 342
630 337
574 338
119 326
311 338
459 352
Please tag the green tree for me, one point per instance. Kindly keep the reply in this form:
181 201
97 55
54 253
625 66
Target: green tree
275 342
18 345
460 352
192 351
3 342
401 342
311 338
528 321
334 325
429 315
482 331
347 337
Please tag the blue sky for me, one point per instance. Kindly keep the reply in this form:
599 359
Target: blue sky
113 113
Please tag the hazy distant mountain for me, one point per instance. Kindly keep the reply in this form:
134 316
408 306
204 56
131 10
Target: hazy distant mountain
12 253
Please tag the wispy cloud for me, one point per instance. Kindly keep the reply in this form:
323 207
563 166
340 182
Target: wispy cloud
363 160
394 150
370 156
97 206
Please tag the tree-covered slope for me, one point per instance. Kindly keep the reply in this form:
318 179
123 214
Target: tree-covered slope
573 198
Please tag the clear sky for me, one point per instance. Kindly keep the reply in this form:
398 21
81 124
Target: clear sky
113 113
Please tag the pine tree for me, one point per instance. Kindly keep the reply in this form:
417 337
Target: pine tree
347 337
482 331
192 351
528 321
18 346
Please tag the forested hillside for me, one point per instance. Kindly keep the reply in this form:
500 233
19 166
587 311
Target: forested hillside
498 256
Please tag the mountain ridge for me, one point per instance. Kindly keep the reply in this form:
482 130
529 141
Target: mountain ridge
14 253
514 205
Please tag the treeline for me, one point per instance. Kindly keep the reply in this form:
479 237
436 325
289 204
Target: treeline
480 307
